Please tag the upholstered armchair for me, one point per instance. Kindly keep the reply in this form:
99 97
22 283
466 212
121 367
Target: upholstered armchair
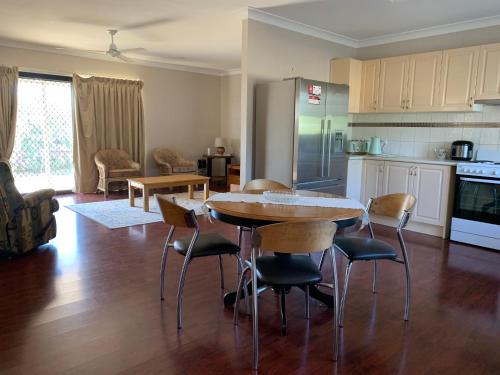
26 221
172 162
114 166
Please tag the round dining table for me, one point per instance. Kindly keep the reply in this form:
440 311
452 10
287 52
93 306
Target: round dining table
252 215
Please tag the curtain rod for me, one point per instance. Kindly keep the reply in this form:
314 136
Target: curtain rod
48 77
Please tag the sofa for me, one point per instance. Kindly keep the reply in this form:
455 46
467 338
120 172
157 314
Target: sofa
171 162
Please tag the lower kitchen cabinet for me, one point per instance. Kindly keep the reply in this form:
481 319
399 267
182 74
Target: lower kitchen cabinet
431 184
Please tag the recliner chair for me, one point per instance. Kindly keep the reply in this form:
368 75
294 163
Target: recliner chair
26 221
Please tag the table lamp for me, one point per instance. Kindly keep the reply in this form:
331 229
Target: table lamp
219 143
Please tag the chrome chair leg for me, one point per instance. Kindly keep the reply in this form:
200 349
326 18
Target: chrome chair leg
322 260
255 314
408 292
308 314
344 294
374 285
283 311
241 284
180 292
336 327
221 270
240 237
164 261
245 284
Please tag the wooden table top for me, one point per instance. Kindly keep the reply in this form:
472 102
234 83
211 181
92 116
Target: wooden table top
284 213
174 179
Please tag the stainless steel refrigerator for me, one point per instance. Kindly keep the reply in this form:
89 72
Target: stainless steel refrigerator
301 127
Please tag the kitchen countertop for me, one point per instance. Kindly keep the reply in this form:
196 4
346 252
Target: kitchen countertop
405 159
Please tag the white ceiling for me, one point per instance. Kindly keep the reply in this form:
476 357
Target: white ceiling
206 34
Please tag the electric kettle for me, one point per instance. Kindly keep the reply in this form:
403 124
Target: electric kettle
375 146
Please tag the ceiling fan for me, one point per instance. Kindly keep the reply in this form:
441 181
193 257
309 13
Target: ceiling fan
112 50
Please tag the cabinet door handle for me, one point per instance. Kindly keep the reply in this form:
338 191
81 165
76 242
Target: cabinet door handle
471 101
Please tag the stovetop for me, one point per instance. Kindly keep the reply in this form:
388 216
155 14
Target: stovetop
486 164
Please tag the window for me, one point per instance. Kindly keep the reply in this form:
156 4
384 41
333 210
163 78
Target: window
43 148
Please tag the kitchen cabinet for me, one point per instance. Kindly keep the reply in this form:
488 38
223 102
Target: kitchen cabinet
393 81
348 71
431 184
458 79
488 78
372 179
423 82
370 74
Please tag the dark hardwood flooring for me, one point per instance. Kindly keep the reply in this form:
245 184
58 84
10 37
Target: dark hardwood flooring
88 303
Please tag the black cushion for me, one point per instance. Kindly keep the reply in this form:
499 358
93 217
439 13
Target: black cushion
287 270
206 245
358 248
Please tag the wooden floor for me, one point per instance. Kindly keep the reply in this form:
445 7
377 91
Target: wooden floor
89 304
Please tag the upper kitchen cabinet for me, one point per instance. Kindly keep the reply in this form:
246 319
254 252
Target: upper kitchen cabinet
423 82
458 79
488 78
370 85
393 80
348 71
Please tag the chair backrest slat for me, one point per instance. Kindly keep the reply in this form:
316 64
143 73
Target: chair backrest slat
392 205
264 184
174 214
296 237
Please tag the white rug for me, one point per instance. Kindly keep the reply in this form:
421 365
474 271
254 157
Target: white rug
118 213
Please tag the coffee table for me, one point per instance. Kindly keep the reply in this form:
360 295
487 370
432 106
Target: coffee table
149 183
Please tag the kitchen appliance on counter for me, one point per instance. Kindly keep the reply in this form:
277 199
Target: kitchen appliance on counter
462 150
476 211
300 132
376 146
357 147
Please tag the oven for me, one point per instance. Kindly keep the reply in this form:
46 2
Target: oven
476 211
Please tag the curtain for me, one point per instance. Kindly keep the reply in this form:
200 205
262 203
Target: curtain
108 115
8 110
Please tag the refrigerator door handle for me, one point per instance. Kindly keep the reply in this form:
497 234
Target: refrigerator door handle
329 135
322 148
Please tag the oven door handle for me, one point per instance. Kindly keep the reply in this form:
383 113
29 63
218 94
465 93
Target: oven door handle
468 179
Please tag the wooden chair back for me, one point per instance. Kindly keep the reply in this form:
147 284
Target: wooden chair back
264 184
175 215
392 205
296 237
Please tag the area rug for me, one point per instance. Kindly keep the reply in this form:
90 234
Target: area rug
118 213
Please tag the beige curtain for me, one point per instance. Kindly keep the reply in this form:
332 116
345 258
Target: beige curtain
8 110
108 114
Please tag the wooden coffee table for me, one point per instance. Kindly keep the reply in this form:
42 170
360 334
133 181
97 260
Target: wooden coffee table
148 183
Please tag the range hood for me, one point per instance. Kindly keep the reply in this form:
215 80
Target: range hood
494 101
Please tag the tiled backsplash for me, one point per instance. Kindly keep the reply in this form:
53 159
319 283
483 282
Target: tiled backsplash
421 139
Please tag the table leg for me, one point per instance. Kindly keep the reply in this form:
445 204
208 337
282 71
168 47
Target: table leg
131 195
206 190
145 195
209 167
190 192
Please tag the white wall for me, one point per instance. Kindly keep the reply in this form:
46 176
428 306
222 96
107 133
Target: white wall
181 109
271 53
230 113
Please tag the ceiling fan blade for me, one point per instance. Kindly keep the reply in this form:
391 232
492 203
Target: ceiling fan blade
124 58
82 50
140 25
133 50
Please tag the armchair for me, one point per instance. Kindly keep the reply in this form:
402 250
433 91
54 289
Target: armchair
172 162
114 166
26 221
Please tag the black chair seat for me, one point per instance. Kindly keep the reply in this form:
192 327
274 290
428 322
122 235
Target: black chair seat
356 248
206 245
287 270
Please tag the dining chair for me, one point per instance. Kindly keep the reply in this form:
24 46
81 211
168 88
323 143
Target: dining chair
291 266
393 206
196 246
259 184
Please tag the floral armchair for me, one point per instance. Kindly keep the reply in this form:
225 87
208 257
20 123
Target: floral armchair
114 166
172 162
26 221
